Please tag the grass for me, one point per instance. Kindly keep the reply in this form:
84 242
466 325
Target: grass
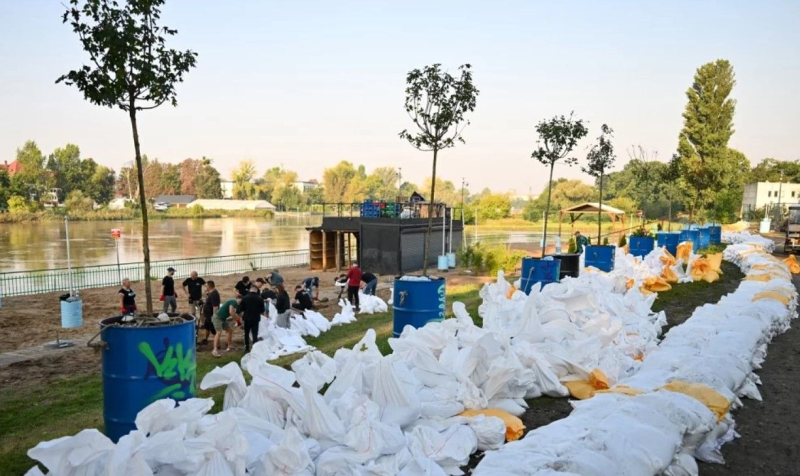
66 406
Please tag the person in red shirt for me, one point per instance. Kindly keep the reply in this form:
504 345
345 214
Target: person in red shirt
353 284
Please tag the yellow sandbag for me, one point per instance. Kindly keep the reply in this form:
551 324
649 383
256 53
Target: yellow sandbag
514 426
623 390
656 284
511 292
669 275
583 389
758 277
630 283
711 276
792 263
715 261
704 394
772 295
684 251
701 271
667 259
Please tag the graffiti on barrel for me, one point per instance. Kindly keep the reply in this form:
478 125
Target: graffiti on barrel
442 303
174 366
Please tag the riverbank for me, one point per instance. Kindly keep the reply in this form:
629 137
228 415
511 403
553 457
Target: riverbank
104 214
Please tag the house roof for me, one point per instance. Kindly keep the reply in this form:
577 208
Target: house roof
181 199
589 207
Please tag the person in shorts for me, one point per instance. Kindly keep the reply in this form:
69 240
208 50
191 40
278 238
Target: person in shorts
127 298
193 287
168 294
223 320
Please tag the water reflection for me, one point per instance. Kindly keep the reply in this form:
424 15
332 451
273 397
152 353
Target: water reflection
43 245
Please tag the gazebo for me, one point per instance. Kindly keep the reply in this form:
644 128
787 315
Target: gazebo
617 216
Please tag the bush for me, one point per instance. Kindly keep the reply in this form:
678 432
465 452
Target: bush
78 202
17 204
491 259
605 240
622 241
573 247
642 232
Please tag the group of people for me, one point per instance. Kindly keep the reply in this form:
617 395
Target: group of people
353 282
252 299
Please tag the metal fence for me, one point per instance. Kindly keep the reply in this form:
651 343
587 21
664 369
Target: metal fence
20 283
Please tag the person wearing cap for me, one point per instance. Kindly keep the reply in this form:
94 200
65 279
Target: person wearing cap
168 294
580 242
354 276
223 321
243 286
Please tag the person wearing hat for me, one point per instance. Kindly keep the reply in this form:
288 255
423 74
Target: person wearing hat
580 242
168 294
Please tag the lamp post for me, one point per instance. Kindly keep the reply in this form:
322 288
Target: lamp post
464 184
399 179
780 211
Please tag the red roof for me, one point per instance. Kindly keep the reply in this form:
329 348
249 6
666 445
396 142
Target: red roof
14 167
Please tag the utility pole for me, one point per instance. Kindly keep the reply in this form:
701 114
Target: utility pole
463 235
399 179
780 211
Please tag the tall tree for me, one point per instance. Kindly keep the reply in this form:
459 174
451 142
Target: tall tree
557 137
100 184
646 172
200 178
336 179
242 176
437 104
707 128
599 159
131 68
32 181
5 188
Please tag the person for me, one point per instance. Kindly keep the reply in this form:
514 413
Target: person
251 308
127 298
341 283
302 299
580 242
371 283
223 321
210 307
243 286
353 284
274 278
282 305
168 291
312 286
193 287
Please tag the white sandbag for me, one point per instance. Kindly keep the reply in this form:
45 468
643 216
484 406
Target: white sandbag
422 466
314 370
450 449
230 375
346 316
290 457
398 406
319 321
83 453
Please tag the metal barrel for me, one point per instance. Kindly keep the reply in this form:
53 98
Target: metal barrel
570 265
715 234
641 246
442 263
451 260
691 235
669 240
416 303
142 365
71 313
704 238
535 270
600 257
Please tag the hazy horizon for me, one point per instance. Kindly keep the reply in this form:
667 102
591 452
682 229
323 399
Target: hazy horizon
305 85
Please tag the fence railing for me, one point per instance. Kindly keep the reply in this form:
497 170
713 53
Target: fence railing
18 283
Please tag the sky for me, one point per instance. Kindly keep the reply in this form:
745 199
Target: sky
307 84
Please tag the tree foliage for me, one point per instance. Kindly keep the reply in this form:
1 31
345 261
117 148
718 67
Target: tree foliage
198 177
489 207
565 193
242 176
599 159
772 170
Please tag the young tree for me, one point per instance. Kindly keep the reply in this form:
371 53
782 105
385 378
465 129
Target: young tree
646 171
707 128
242 176
437 103
599 159
557 137
131 68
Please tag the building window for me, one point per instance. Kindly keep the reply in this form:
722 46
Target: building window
792 194
769 194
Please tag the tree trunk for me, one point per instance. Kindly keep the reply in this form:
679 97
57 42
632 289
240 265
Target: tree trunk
547 208
669 223
600 212
148 294
430 216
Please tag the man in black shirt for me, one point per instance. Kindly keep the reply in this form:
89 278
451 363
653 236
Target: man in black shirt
371 282
250 309
168 291
302 300
243 286
193 286
211 306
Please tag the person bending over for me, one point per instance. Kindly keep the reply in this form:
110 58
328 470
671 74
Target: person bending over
302 299
223 321
370 283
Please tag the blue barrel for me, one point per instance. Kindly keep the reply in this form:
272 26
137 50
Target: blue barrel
715 234
416 303
600 257
535 270
142 365
641 246
71 313
442 263
669 240
451 260
691 235
704 237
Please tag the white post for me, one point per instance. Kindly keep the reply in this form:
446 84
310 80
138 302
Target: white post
444 230
69 259
450 249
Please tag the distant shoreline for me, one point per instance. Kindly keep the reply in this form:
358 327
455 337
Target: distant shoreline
129 214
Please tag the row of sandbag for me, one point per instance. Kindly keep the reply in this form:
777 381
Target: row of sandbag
753 240
675 407
277 341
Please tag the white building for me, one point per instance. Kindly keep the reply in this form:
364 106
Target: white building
760 194
227 188
304 186
217 204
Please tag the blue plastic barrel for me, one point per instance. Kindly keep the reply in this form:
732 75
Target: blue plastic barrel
416 303
641 246
71 313
451 260
691 235
715 234
442 263
669 240
535 270
704 238
142 365
600 257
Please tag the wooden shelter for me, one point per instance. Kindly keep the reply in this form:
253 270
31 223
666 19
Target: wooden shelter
617 216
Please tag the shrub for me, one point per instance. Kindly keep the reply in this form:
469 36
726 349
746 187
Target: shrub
642 232
572 248
622 241
78 202
605 240
490 259
17 204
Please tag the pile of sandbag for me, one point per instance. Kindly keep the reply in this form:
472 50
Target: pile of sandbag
758 241
675 407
